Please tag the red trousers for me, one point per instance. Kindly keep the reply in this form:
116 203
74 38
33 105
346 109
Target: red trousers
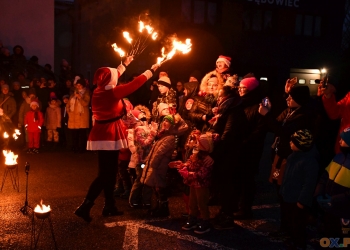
34 139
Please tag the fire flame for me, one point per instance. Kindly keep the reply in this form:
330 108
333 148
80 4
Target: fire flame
41 208
119 50
142 26
177 46
10 157
6 135
15 135
154 35
126 35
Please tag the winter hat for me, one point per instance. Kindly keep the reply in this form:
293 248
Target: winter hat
205 143
300 94
53 95
302 139
136 113
65 96
107 78
5 86
196 74
162 106
345 135
170 118
250 83
165 81
34 103
225 59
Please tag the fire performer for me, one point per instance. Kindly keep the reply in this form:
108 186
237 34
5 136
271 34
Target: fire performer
109 134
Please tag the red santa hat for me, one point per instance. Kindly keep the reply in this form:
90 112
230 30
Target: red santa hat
107 78
34 103
225 59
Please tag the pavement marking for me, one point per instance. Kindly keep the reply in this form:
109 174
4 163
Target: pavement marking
132 228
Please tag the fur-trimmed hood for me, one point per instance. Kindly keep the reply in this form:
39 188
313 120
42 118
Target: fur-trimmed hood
204 82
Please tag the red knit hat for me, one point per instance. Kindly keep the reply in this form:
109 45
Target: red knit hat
225 59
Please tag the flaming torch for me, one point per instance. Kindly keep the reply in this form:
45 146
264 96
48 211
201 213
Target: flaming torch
142 41
119 50
176 46
11 169
42 211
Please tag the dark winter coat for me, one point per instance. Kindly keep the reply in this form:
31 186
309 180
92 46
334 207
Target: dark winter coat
9 106
300 118
257 128
232 129
156 163
202 105
300 177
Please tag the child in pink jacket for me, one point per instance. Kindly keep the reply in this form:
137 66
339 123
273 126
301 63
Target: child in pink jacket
33 121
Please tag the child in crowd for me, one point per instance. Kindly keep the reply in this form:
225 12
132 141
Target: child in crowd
333 189
196 173
53 121
140 141
298 185
33 121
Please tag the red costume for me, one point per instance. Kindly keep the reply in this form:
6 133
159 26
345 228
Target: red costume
338 110
109 132
33 122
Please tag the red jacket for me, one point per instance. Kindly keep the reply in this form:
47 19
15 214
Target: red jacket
32 124
107 105
338 110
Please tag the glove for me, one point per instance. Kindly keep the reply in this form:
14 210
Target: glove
183 172
324 201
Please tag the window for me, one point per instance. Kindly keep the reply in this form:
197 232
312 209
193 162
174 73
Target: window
307 25
301 81
186 10
199 11
257 20
312 82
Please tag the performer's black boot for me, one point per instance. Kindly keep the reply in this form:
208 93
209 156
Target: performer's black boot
110 209
83 210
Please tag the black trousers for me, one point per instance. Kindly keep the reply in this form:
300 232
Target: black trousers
295 222
106 178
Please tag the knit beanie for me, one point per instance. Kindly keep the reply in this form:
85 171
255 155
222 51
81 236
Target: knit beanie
225 59
345 135
170 119
250 83
205 143
65 96
303 139
300 94
165 81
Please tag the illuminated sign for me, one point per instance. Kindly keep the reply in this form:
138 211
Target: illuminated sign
286 3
